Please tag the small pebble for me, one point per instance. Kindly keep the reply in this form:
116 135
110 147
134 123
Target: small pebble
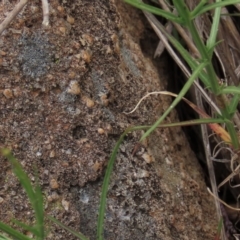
70 19
74 88
88 101
54 184
86 56
52 154
8 93
53 197
65 204
148 158
88 38
100 131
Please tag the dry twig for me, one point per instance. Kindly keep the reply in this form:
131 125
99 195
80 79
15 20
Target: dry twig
19 7
12 15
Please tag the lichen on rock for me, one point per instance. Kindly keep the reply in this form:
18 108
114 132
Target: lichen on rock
36 55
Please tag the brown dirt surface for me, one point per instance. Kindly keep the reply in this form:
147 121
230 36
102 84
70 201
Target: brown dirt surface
63 94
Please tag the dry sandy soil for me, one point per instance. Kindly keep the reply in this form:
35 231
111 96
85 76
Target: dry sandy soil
63 94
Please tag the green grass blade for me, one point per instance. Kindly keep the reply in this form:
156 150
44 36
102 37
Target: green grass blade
77 234
216 5
192 122
219 229
154 10
182 10
12 232
184 90
198 8
211 42
20 174
100 223
233 134
35 197
233 105
3 237
183 52
231 90
39 209
26 227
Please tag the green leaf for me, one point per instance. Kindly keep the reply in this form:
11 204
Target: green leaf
77 234
154 10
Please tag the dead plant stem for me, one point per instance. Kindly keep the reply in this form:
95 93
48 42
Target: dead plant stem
12 15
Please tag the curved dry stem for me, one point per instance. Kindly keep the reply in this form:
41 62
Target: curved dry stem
148 94
221 201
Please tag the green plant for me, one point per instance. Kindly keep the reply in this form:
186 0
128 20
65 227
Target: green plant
206 72
36 199
201 67
35 196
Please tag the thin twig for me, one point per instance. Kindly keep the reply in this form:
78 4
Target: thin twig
12 15
160 48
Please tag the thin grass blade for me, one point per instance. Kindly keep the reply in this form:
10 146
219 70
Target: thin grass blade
183 52
20 174
231 90
26 227
154 10
77 234
39 209
100 223
220 225
184 90
198 8
3 237
211 42
215 5
35 197
233 105
12 232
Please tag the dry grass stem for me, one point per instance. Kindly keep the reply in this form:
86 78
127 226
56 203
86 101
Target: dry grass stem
12 15
160 48
221 201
